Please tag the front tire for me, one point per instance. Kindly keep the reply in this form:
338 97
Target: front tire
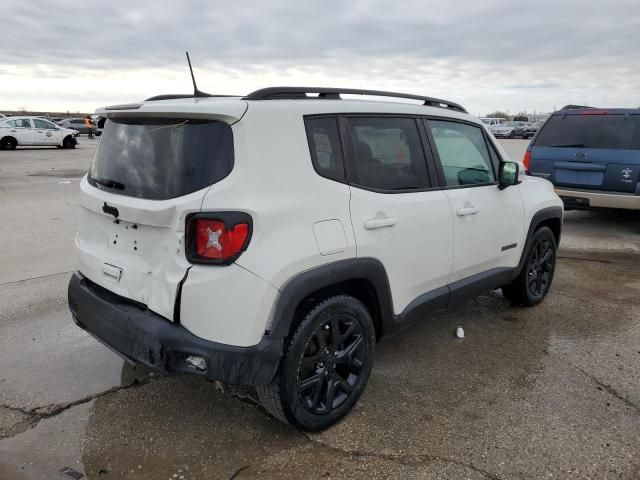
326 366
69 142
534 280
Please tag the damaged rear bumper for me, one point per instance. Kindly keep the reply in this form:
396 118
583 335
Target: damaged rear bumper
141 336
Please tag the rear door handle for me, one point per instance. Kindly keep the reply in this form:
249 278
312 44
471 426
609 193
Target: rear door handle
461 212
375 223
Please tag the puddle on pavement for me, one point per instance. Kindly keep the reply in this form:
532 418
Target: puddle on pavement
507 398
178 426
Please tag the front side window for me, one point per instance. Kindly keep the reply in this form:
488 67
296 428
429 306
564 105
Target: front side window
158 159
387 154
463 153
325 149
43 124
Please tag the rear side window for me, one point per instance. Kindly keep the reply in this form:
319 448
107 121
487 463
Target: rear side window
325 149
387 154
463 153
20 123
160 159
591 131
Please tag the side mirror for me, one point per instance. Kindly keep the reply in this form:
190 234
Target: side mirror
508 174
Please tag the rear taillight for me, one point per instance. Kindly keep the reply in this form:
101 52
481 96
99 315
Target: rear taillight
527 160
217 237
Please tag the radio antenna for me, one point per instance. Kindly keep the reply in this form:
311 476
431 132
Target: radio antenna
196 92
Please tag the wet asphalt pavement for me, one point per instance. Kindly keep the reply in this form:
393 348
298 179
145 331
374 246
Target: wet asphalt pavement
547 392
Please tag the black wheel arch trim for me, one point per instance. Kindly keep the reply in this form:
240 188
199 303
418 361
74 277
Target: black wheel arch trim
541 216
306 283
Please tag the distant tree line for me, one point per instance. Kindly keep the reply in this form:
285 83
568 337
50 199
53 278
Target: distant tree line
499 114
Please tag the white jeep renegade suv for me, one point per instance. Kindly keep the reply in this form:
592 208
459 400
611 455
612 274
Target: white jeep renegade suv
271 240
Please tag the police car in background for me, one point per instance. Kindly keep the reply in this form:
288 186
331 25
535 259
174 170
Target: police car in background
28 131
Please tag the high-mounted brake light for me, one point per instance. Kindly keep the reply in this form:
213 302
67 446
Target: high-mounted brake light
217 237
527 160
594 112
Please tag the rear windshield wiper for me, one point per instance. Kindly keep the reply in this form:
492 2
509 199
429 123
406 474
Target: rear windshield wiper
107 182
568 145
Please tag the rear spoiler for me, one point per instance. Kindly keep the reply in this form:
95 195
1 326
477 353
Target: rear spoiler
228 110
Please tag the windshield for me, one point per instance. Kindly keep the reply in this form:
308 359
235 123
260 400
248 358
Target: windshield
160 159
591 131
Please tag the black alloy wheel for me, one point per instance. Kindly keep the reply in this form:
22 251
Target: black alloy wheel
540 267
326 366
534 280
331 363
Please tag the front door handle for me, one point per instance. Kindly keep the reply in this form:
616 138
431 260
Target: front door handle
467 210
375 223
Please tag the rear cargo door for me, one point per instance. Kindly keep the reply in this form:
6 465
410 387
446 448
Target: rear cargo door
147 175
591 151
611 170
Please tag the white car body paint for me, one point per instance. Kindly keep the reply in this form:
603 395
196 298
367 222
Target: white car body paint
300 221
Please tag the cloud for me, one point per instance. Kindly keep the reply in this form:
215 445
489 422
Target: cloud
498 54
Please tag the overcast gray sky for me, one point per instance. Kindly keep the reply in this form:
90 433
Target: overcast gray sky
486 54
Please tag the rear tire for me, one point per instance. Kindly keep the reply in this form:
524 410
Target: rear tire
9 143
326 366
533 283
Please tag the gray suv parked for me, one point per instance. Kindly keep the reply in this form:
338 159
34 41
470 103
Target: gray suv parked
76 124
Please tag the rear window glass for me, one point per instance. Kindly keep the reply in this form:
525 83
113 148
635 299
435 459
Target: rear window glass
591 131
159 159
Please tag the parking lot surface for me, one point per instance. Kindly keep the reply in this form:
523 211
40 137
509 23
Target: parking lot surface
546 392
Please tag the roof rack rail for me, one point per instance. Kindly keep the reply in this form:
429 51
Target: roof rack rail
282 93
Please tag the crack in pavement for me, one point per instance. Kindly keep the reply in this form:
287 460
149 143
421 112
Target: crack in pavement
396 458
36 278
608 388
594 260
407 459
238 472
36 414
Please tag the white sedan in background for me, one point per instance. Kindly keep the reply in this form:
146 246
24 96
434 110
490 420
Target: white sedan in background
23 131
